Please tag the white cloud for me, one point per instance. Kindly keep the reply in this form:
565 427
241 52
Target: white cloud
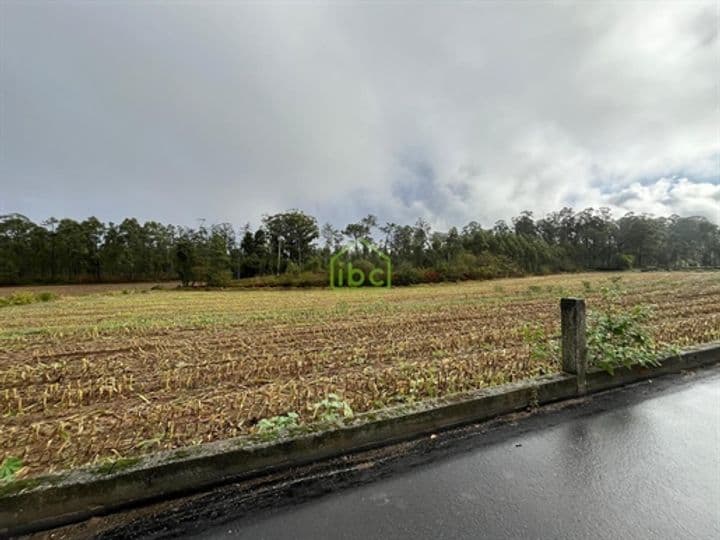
670 195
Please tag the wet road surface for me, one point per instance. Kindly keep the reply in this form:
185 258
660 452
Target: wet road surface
621 468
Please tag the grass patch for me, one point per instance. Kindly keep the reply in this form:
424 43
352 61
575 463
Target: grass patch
25 298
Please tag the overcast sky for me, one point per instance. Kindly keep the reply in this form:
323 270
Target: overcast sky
452 112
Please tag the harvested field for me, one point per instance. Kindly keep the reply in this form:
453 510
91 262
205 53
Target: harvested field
89 288
90 377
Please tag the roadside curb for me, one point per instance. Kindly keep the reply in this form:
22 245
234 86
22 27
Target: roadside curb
40 503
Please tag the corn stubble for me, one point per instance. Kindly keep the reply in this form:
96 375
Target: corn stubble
93 377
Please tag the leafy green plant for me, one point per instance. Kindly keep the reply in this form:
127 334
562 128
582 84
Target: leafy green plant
9 468
542 347
278 425
332 410
619 337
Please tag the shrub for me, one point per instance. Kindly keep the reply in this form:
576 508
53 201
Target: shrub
622 261
618 337
309 279
304 279
219 278
492 266
431 276
313 265
198 274
404 274
292 268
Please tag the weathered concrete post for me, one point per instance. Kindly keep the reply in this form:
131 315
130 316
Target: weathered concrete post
574 347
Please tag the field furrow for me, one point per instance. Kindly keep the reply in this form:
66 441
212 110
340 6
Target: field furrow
92 376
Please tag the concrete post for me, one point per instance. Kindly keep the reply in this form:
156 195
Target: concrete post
574 347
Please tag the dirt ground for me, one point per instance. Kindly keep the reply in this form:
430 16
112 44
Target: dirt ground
89 288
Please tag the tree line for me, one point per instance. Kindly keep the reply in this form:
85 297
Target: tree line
292 244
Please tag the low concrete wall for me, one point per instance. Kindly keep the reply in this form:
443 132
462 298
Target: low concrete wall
598 380
36 504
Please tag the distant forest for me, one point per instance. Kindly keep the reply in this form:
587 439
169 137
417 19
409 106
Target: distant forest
291 249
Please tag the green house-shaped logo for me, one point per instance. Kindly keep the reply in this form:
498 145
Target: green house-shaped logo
346 275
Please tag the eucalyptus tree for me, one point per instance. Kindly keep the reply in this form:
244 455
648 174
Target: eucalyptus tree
291 234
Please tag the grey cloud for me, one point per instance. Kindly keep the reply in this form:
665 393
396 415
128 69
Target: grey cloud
226 111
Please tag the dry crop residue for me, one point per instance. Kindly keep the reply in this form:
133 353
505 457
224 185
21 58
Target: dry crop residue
87 378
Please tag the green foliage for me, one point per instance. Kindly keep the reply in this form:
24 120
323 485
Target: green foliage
304 279
186 260
9 468
278 426
406 274
313 265
219 278
619 337
543 349
332 410
292 268
218 260
621 261
18 299
26 297
290 236
66 250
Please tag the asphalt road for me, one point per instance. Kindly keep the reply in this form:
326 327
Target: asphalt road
624 467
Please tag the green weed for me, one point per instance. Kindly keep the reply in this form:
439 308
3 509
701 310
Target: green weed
332 410
619 337
9 468
278 425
